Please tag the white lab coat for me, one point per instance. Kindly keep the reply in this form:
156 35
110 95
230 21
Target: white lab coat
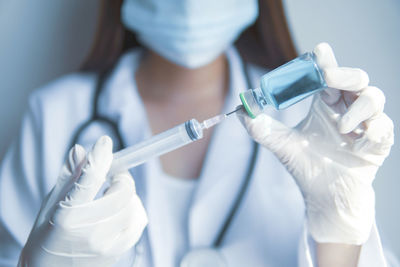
269 227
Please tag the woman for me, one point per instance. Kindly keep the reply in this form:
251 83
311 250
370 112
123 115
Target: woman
190 199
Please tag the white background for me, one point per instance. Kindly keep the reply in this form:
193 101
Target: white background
40 40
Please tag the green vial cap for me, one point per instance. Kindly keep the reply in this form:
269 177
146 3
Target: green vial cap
250 104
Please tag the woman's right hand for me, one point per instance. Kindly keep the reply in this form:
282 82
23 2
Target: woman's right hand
75 229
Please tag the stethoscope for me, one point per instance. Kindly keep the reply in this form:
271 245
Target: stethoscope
210 256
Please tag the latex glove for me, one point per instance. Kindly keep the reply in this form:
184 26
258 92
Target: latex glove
335 152
75 229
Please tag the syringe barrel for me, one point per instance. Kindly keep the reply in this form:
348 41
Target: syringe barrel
157 145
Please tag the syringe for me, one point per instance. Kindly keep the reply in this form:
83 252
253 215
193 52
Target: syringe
162 143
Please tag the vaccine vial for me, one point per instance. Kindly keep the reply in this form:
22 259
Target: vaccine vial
285 85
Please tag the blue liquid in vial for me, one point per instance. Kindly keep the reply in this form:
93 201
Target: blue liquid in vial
291 82
285 85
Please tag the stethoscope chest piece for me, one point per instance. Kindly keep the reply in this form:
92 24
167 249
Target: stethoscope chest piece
204 257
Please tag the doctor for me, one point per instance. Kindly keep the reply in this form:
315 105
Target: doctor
309 200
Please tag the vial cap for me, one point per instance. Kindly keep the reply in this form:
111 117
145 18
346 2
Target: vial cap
250 104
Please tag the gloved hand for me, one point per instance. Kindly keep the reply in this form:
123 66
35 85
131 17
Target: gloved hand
335 152
75 229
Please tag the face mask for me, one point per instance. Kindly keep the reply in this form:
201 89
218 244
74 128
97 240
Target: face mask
190 33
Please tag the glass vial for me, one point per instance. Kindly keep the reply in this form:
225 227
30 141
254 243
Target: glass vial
285 85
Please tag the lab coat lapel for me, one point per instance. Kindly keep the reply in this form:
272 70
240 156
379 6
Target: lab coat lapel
224 167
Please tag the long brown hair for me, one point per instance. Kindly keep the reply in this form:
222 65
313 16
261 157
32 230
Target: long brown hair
266 43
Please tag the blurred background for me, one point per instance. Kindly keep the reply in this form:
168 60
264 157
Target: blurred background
41 40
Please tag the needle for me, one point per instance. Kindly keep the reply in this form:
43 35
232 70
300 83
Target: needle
217 119
236 110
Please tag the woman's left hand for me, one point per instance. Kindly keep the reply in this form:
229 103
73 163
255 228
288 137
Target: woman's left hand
335 152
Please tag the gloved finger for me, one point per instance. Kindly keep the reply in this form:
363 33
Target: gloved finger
270 133
93 173
129 236
124 179
377 140
380 129
370 102
325 56
122 230
116 198
68 175
326 59
96 236
348 79
70 171
72 166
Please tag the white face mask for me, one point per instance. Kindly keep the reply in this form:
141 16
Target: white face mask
190 33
